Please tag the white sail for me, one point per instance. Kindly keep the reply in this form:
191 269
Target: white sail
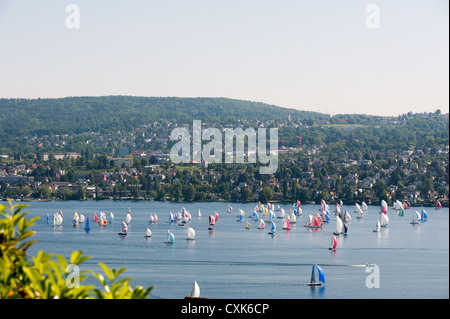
282 213
347 216
82 218
364 206
415 218
148 233
338 210
199 213
128 218
357 208
293 218
359 213
378 226
190 233
339 226
195 292
384 220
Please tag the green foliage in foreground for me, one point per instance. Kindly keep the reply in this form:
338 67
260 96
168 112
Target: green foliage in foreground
47 277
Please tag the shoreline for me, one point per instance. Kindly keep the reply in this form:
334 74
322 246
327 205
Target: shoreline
444 204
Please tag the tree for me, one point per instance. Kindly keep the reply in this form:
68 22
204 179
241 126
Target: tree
188 193
380 188
265 194
246 194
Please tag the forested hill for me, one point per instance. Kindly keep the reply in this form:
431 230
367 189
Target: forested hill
32 125
74 115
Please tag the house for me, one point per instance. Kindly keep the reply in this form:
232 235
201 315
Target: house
127 161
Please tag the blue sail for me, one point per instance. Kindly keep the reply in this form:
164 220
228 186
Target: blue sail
321 273
87 224
424 215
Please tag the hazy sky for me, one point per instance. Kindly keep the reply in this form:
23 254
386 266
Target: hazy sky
327 56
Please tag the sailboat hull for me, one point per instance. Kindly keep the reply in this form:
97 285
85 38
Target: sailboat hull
314 284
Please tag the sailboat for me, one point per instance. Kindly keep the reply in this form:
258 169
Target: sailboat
309 221
293 217
75 219
319 220
384 220
248 225
111 217
347 217
333 242
190 233
378 226
95 218
195 292
199 213
286 225
124 229
103 221
148 233
230 209
262 224
339 226
211 222
282 214
415 218
128 218
87 228
57 219
384 206
82 219
313 276
359 212
271 216
364 207
216 216
170 237
241 215
273 229
397 205
438 205
424 215
48 218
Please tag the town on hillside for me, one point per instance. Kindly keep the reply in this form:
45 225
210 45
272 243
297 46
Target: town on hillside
136 165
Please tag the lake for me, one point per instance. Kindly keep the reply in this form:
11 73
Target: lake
411 261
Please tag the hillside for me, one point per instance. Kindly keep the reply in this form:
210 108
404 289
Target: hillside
25 122
85 114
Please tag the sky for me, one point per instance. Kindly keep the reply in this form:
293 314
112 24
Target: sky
368 57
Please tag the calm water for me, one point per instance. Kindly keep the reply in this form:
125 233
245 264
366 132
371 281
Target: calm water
233 262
